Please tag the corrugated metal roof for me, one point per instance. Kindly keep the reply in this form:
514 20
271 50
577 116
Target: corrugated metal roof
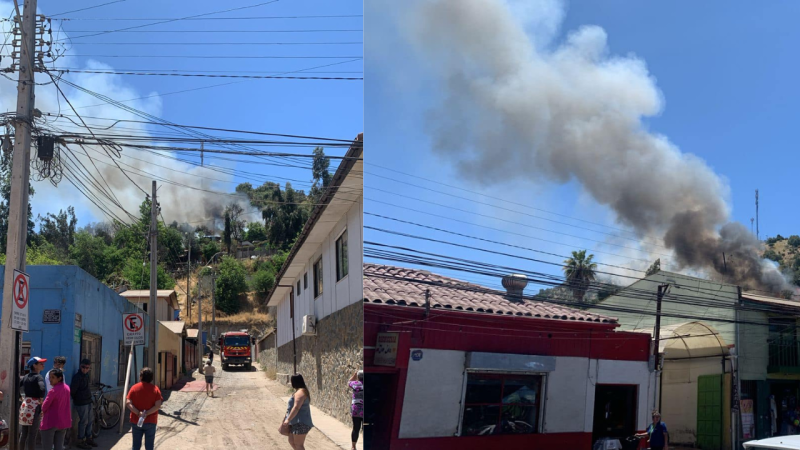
396 286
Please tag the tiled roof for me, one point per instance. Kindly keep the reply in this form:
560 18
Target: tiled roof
398 286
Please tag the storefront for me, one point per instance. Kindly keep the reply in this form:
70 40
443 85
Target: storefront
480 370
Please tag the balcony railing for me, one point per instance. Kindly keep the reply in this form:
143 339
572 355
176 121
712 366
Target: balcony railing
784 353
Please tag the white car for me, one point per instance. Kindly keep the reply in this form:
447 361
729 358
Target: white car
777 443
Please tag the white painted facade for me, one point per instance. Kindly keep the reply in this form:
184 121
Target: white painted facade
336 295
434 409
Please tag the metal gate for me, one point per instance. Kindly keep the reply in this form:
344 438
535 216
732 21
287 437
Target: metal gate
709 412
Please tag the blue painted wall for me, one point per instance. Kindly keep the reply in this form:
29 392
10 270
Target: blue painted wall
72 290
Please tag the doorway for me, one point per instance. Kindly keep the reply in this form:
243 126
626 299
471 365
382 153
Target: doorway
379 403
615 409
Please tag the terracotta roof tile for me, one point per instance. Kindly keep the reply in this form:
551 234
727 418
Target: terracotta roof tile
394 286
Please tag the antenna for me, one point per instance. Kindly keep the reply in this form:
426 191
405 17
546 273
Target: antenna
751 225
757 233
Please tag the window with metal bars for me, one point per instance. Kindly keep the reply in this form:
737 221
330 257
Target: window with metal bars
501 404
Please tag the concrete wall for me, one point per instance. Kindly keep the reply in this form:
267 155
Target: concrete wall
435 386
329 359
71 290
336 295
679 399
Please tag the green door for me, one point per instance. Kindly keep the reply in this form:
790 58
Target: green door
709 412
763 427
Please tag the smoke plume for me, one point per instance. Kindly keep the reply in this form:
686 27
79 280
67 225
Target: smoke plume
196 206
518 105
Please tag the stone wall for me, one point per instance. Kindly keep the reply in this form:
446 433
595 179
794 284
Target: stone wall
329 359
266 353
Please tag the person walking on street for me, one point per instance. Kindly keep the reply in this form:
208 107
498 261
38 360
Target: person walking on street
56 414
656 434
209 372
58 363
356 384
298 414
82 399
144 401
33 390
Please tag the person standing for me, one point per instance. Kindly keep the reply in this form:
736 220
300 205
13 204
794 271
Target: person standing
209 373
33 392
81 394
356 384
56 414
144 401
58 363
298 414
658 438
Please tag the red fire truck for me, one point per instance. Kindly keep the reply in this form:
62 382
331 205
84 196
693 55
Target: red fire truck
235 348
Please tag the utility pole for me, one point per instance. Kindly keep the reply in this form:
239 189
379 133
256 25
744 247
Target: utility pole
153 308
199 331
751 224
17 219
758 234
188 275
662 290
213 306
202 147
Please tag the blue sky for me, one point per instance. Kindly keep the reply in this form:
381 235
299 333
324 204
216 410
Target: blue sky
303 107
727 79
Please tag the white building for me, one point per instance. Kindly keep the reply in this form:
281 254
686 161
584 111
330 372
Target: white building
319 292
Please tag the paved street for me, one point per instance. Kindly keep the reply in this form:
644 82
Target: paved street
244 414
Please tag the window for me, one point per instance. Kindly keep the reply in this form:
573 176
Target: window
144 307
122 363
92 349
298 287
305 280
318 278
341 256
501 404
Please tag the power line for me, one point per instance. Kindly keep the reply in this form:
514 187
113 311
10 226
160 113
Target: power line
258 77
212 57
130 19
174 20
350 30
84 9
224 43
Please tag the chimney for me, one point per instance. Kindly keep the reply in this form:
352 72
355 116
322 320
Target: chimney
514 284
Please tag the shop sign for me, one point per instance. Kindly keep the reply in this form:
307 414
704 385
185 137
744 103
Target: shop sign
51 316
386 349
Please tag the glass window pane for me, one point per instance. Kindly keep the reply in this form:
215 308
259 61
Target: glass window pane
518 419
521 390
483 389
480 420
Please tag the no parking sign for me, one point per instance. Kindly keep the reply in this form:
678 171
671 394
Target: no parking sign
133 328
22 294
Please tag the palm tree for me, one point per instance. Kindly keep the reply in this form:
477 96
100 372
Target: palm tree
580 272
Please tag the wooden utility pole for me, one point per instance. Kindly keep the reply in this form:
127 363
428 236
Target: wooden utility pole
153 308
213 307
188 275
662 290
758 234
17 218
199 331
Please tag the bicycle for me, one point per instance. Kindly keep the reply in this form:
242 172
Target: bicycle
107 413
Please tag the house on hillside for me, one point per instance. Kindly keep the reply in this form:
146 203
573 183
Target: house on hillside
454 365
72 314
318 293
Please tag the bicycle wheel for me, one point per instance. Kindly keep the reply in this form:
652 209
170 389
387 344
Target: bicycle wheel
109 414
95 423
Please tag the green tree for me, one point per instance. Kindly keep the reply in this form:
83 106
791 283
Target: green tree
210 249
59 229
794 240
255 232
284 216
263 281
320 173
5 193
231 282
95 256
227 235
580 273
137 274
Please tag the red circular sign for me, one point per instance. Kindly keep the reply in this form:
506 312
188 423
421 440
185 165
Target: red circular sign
21 291
133 322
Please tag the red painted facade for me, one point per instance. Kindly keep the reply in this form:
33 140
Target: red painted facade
481 332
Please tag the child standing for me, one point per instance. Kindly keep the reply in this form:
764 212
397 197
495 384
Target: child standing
209 371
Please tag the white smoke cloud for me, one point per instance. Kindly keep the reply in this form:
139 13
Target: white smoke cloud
517 105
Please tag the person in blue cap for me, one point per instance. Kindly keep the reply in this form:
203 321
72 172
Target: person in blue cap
33 392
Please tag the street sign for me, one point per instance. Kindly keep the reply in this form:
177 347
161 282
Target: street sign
386 349
51 316
133 328
22 294
76 336
78 321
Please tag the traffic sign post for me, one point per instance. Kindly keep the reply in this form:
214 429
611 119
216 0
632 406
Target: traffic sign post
133 328
22 294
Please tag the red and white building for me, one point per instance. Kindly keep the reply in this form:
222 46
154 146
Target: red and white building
453 365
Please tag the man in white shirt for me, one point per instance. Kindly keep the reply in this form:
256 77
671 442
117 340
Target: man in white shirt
58 363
